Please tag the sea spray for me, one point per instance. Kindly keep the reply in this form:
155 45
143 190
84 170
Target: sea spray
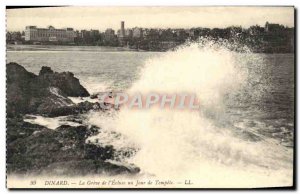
203 146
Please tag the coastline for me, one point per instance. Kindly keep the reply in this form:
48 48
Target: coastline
95 48
28 47
35 149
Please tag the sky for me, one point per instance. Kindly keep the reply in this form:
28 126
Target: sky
101 18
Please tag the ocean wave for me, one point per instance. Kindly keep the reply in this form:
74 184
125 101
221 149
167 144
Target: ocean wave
197 144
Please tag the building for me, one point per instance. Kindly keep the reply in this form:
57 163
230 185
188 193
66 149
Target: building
128 33
50 34
84 34
273 27
122 31
109 34
94 33
119 34
137 32
145 32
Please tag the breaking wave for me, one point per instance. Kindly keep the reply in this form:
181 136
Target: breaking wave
206 146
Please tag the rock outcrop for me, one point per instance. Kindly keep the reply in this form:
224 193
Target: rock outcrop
34 149
65 81
73 109
63 151
30 93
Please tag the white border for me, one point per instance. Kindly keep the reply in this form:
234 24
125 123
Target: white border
4 3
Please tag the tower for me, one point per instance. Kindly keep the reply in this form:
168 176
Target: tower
122 34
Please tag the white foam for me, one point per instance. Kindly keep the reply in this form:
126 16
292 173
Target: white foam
51 123
78 100
185 144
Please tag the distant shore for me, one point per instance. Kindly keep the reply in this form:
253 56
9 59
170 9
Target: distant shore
91 48
25 47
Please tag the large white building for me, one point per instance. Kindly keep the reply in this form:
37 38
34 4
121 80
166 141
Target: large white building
50 34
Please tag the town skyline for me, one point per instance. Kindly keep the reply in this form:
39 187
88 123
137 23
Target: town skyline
87 18
118 28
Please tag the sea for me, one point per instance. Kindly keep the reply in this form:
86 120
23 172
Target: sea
242 136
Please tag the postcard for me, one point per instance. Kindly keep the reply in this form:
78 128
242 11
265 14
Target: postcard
198 97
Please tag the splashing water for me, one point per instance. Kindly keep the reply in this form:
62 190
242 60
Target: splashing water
204 146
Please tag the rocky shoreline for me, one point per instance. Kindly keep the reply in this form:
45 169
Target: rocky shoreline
36 149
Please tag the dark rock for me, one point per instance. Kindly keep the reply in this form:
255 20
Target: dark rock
55 111
46 70
32 152
36 149
17 128
65 81
54 103
80 108
86 167
98 153
22 90
64 150
29 93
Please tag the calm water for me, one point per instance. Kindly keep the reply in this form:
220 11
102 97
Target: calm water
97 68
265 106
